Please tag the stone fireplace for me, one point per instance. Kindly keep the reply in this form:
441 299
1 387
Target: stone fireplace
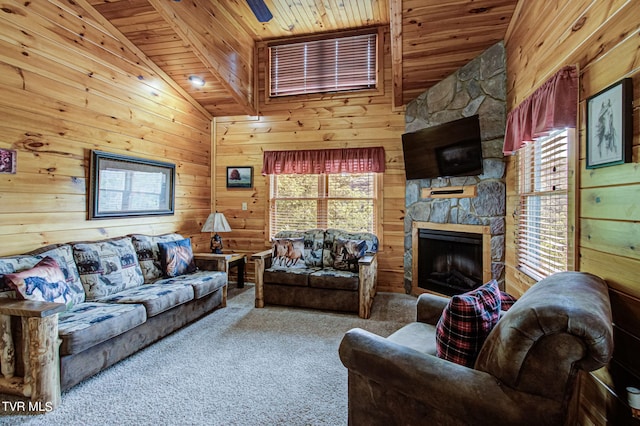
470 201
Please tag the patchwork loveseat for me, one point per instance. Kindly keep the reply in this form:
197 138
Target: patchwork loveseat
322 269
115 297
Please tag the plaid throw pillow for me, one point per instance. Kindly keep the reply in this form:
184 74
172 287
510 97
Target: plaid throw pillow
466 322
506 300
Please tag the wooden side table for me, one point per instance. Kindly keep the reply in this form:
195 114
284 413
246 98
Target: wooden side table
231 260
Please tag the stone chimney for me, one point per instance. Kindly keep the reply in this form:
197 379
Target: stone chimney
477 88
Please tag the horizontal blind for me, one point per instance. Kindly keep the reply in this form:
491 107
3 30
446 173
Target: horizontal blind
331 65
345 201
543 181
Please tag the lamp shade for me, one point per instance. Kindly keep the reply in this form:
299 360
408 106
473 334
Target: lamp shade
216 222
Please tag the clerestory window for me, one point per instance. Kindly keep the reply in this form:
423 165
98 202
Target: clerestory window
339 64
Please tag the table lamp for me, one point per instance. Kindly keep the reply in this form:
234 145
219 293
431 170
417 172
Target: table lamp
216 222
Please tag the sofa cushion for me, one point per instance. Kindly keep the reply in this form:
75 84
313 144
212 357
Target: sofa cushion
156 298
347 253
331 236
287 253
107 267
297 277
466 322
313 244
331 278
89 323
203 282
176 257
419 336
148 252
44 282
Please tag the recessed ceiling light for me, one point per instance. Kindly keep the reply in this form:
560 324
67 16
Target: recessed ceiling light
196 81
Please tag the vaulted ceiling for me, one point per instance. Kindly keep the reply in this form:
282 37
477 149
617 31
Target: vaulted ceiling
215 40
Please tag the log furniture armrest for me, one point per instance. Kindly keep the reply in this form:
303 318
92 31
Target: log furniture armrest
262 261
29 308
367 271
40 345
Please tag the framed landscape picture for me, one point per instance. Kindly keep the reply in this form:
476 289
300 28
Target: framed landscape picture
609 125
239 177
124 186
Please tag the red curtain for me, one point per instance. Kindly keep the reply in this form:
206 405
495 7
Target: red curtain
345 160
554 105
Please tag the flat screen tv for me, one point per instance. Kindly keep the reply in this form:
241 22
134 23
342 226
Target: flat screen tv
446 150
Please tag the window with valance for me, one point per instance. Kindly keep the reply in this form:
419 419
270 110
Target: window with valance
540 131
327 188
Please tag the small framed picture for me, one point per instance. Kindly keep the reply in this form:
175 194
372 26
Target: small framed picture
7 161
609 125
239 177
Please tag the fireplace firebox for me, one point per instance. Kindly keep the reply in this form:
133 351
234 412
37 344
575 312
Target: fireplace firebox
449 262
450 259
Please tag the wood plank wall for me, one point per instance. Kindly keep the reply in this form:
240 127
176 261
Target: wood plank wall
68 86
325 122
603 38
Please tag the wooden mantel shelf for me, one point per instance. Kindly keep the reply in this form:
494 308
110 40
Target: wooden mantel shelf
467 191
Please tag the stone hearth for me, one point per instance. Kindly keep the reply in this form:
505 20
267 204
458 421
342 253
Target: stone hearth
477 88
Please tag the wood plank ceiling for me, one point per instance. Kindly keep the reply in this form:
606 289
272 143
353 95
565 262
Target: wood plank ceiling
215 39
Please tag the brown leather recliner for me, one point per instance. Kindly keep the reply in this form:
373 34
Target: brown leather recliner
525 373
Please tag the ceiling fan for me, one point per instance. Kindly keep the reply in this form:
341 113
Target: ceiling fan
262 12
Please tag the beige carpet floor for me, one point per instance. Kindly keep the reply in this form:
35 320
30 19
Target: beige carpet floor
236 366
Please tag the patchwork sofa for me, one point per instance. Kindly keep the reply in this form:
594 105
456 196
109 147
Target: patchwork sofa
114 297
322 269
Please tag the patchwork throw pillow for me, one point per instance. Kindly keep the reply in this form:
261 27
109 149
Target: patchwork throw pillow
466 322
347 253
288 253
506 301
45 282
176 257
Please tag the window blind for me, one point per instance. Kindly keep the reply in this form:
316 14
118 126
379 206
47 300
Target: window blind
344 201
543 181
331 65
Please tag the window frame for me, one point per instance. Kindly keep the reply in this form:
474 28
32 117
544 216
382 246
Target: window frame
377 204
378 90
571 202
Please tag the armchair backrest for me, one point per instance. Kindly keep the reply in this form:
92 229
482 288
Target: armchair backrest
561 324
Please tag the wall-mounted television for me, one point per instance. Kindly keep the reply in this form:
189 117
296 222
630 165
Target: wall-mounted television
445 150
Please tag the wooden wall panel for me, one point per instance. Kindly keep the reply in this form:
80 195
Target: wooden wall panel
602 37
326 122
68 87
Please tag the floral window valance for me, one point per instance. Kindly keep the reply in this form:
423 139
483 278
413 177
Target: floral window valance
554 105
316 161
